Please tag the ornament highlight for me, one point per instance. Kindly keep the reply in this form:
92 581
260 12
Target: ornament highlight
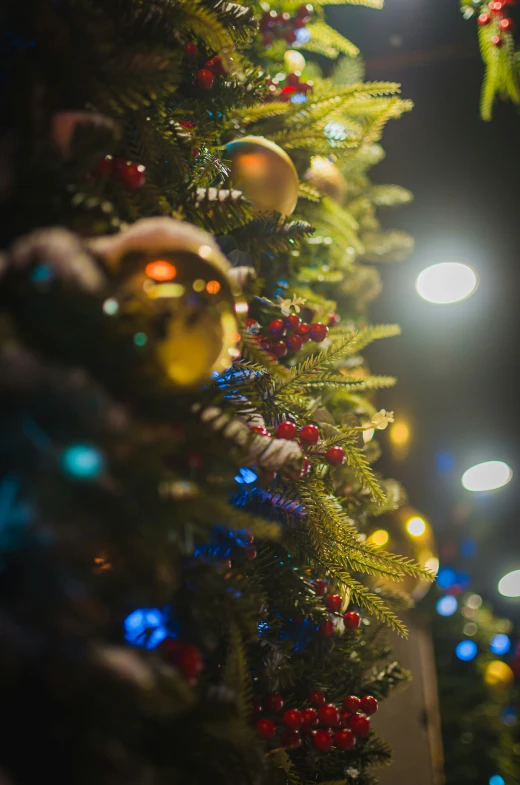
325 176
265 174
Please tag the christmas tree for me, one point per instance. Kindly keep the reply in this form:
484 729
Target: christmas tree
189 589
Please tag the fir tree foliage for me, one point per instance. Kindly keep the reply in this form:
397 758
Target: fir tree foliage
149 536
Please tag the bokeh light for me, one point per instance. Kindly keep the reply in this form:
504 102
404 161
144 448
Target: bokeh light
446 577
500 644
509 585
145 627
379 538
498 674
82 461
416 526
446 606
496 779
446 283
487 476
160 270
399 433
213 287
466 650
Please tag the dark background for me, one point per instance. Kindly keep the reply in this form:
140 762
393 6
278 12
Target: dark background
456 364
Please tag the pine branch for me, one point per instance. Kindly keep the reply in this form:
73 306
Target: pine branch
325 40
236 673
314 365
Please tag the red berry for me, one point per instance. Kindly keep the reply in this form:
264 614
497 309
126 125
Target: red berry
190 126
292 322
290 36
266 728
251 553
292 718
327 629
333 603
359 724
259 429
279 349
105 166
300 22
334 319
352 620
205 78
191 49
215 65
309 435
344 739
328 715
134 176
251 323
307 466
352 703
317 698
170 648
496 7
304 331
274 702
319 332
276 326
321 740
256 709
369 705
335 456
484 19
320 587
272 357
286 430
294 343
292 79
310 716
291 739
506 25
189 661
305 10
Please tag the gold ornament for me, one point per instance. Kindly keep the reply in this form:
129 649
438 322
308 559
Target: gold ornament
265 174
407 533
325 176
176 273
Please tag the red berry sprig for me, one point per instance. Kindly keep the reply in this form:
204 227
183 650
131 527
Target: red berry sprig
352 620
128 173
495 13
282 25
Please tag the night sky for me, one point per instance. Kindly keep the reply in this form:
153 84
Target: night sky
456 364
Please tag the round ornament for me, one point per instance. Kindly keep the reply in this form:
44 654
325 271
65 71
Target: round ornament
265 174
177 276
325 176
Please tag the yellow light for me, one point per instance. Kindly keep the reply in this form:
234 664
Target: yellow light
160 270
379 538
199 285
399 434
241 307
213 287
416 526
432 564
166 290
498 674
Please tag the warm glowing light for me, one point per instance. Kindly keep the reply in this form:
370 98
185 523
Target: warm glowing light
487 476
399 433
432 564
199 285
474 601
509 585
166 290
160 270
241 307
416 526
213 287
446 283
379 538
498 674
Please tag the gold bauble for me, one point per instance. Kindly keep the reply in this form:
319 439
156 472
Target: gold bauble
264 173
498 674
407 533
177 275
325 176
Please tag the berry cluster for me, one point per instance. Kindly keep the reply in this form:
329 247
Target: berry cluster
287 335
274 25
323 724
284 88
205 76
309 436
127 173
185 656
495 13
333 603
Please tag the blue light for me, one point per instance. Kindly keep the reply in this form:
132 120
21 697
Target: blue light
500 644
496 779
446 577
446 606
82 461
42 274
468 549
245 476
463 581
144 627
444 462
303 35
299 98
508 715
466 650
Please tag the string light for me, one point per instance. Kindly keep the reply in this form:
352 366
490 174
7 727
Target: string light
487 476
213 287
379 538
160 270
446 283
416 526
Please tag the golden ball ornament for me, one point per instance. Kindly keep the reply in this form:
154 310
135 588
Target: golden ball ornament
264 173
324 175
406 532
176 274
